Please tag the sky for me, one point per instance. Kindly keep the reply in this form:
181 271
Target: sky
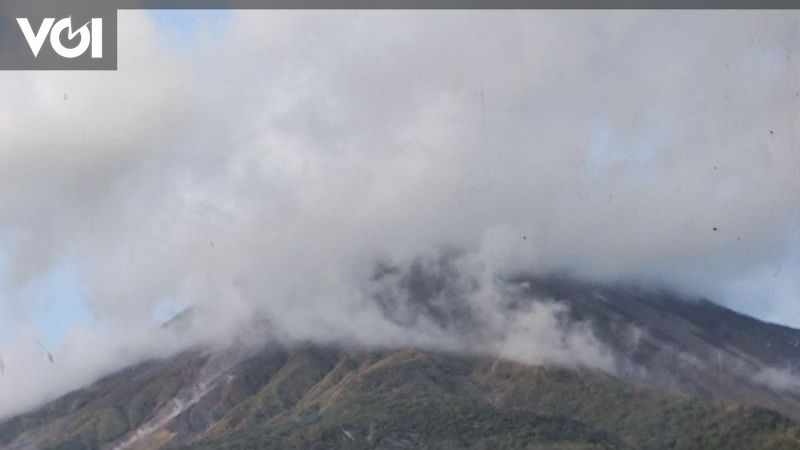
55 303
262 163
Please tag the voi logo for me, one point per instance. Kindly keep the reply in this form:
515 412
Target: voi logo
88 37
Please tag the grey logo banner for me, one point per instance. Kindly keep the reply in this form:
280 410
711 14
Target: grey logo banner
82 34
58 35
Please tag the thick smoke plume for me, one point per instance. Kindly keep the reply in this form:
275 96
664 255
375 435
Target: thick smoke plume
308 168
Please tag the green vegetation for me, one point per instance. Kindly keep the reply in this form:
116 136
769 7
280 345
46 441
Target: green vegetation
313 398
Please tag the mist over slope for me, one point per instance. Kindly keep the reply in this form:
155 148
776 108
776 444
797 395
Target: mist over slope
611 366
266 166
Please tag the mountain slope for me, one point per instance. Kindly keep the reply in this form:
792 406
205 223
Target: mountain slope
312 397
685 346
688 376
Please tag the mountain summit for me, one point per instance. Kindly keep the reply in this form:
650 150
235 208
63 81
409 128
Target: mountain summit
686 374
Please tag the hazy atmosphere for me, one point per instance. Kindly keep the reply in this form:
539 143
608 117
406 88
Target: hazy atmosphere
268 164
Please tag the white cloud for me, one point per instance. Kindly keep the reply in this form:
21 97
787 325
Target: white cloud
268 168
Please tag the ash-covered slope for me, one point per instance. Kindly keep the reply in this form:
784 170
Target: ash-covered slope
689 375
656 337
685 346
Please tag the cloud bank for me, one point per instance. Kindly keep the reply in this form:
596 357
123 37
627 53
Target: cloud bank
268 165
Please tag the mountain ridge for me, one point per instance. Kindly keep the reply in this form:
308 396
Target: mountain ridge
685 376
